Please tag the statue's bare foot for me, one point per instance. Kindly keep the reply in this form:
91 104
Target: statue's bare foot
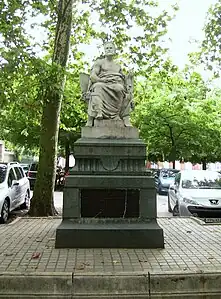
127 122
99 116
89 124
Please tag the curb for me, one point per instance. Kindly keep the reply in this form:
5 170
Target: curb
109 285
35 285
185 285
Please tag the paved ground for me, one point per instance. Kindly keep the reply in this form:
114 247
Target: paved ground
58 201
188 267
162 206
27 244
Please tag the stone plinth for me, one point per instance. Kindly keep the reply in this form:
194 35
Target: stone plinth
97 155
110 132
92 233
110 123
109 197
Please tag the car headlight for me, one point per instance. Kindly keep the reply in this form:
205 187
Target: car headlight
190 201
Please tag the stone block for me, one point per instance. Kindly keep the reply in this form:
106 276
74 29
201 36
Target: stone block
128 148
185 285
110 182
107 233
35 285
94 155
148 207
71 203
110 123
120 285
109 185
110 132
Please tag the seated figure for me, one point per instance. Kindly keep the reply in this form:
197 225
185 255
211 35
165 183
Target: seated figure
107 89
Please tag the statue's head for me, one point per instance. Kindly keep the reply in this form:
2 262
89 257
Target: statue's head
109 49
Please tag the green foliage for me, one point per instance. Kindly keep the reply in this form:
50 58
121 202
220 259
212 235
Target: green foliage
174 112
73 111
136 27
24 77
175 118
211 45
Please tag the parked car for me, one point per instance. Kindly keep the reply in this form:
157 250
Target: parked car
25 168
14 189
164 178
196 193
153 171
32 174
60 178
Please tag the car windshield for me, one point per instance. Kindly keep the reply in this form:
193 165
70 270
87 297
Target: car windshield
3 170
202 180
25 167
168 174
34 167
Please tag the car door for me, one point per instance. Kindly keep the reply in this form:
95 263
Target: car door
24 184
13 188
174 190
21 185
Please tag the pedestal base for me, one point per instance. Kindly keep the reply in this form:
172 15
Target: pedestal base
109 198
113 234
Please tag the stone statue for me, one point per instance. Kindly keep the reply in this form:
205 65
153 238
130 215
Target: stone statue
108 91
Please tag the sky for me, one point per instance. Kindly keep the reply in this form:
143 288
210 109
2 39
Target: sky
186 27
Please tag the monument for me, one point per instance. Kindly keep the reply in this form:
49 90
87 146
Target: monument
109 198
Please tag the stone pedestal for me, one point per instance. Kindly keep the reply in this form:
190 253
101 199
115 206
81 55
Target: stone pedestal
109 197
110 130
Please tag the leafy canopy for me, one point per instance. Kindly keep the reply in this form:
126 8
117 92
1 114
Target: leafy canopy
211 46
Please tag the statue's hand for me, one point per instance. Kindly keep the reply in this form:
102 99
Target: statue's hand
103 80
86 96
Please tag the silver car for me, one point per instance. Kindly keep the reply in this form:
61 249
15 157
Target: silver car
195 193
14 189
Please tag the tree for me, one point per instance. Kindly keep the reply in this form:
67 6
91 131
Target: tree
173 116
15 50
141 48
45 82
73 114
206 147
211 46
21 114
42 201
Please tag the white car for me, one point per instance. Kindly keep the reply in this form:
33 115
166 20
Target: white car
196 193
14 189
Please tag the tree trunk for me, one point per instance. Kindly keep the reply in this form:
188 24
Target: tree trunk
67 155
42 201
172 156
204 164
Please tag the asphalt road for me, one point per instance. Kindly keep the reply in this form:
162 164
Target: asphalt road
162 210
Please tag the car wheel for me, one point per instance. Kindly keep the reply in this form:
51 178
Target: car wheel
25 204
176 211
4 212
169 206
160 191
